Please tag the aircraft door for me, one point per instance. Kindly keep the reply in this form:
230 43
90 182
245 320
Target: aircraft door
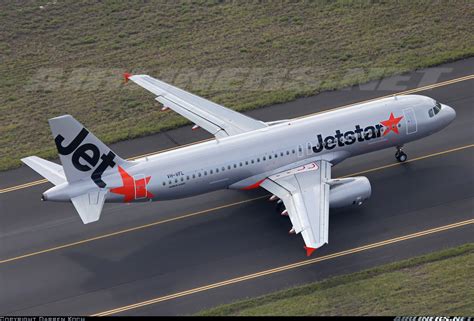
140 186
410 120
300 151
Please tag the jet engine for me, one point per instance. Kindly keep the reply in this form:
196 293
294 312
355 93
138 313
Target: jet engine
348 191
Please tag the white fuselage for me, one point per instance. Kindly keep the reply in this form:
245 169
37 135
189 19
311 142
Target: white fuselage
244 160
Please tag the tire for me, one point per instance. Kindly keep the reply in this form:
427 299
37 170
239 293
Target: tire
401 157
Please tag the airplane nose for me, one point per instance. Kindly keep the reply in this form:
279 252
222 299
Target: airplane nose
450 114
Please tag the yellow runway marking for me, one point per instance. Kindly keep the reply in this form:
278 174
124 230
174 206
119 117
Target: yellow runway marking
406 92
205 211
286 267
17 187
130 230
423 88
411 160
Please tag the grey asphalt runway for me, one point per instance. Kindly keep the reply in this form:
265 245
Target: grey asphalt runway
50 263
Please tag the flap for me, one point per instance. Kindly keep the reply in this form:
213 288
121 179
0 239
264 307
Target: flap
305 193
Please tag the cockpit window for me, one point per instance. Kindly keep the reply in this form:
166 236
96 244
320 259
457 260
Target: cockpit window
433 111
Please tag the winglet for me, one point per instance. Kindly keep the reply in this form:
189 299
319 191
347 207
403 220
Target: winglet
126 76
309 250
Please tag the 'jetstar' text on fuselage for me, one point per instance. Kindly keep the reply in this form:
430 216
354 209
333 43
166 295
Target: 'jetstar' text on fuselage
349 137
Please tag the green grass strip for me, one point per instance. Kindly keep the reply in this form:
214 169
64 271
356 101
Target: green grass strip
439 283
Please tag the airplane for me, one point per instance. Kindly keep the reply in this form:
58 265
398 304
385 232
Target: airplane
292 159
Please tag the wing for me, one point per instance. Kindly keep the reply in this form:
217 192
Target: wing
305 193
216 119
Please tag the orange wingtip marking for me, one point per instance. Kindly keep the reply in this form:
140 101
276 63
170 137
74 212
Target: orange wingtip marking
309 250
126 76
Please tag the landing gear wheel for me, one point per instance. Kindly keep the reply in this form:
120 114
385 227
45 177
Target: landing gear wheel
401 156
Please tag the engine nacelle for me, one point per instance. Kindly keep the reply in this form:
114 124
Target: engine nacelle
348 191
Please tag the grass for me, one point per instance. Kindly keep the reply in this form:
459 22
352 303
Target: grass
441 283
62 57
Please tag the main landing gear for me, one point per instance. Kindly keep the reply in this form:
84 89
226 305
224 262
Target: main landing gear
400 155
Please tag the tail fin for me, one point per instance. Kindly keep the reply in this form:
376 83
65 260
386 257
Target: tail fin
49 170
82 154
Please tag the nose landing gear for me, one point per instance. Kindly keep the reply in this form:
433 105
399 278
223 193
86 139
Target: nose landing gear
400 155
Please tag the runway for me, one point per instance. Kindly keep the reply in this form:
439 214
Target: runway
150 258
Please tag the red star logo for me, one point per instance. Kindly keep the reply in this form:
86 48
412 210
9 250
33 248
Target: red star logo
132 189
391 124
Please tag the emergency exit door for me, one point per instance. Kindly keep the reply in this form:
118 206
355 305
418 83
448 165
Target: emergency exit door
410 120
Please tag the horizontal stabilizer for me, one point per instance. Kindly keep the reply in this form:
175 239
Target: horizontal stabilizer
89 205
49 170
